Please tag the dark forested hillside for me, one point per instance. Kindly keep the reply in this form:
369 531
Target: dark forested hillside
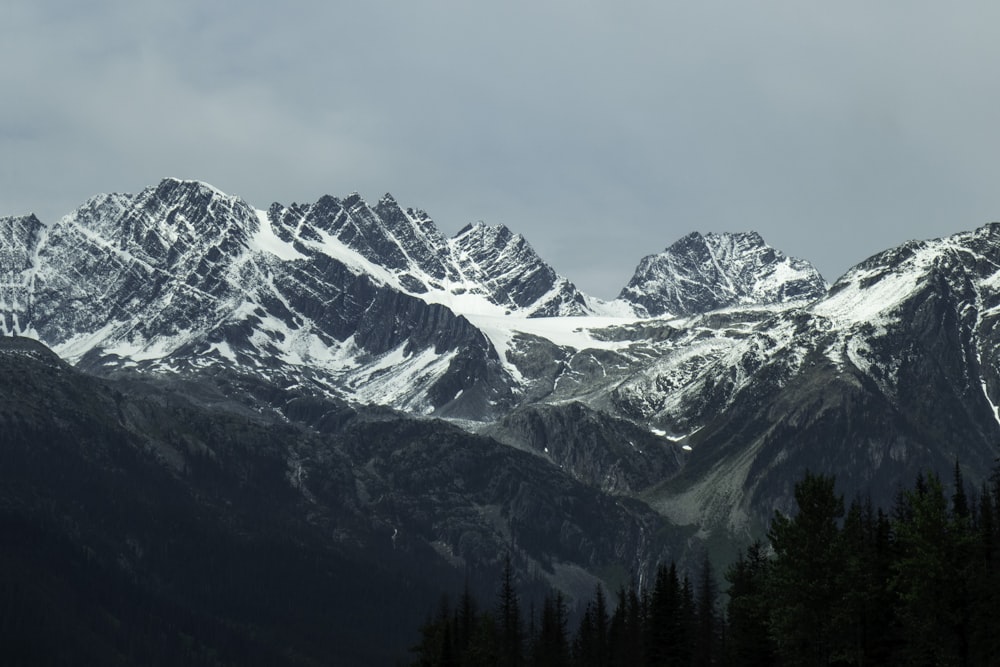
163 523
917 585
115 554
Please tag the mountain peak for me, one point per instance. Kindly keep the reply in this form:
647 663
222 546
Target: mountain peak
703 272
190 183
353 200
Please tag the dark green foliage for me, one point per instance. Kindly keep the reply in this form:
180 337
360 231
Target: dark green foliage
626 639
985 595
809 558
707 632
748 610
919 589
931 578
865 613
511 627
551 646
834 588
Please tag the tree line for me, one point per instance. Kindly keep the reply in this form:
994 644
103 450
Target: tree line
918 584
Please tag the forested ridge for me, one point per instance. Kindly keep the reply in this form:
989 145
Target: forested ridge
918 584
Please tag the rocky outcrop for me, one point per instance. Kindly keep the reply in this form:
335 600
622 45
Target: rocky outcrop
700 273
603 451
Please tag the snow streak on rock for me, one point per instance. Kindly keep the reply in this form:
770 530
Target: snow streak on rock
702 273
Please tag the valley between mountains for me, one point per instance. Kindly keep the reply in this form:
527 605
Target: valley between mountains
341 385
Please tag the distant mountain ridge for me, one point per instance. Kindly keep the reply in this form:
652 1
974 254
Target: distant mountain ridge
685 409
372 304
183 275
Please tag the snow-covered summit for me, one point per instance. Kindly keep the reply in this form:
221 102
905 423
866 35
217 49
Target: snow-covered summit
700 273
967 264
481 268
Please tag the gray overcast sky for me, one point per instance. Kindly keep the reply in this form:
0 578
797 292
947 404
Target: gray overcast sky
602 131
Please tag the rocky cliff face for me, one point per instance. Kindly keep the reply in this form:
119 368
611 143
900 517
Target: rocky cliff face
183 276
19 239
515 277
405 250
700 273
603 451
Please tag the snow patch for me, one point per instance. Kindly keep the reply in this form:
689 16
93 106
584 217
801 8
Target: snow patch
266 240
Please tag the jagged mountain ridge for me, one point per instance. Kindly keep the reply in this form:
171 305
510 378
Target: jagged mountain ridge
366 300
184 275
406 250
373 305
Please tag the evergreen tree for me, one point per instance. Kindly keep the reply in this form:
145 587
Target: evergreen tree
551 647
484 647
959 501
986 583
436 648
804 577
664 624
963 550
626 629
600 628
466 620
584 645
511 630
687 622
863 618
707 631
928 581
748 610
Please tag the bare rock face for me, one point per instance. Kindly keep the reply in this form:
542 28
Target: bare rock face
698 274
183 276
513 274
606 452
19 240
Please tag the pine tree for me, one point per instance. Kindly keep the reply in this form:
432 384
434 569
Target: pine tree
749 642
483 649
436 647
600 628
584 645
707 631
511 630
664 623
551 647
804 575
927 580
863 618
687 623
984 638
959 501
626 629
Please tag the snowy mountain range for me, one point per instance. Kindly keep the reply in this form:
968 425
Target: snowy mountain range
722 371
372 300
